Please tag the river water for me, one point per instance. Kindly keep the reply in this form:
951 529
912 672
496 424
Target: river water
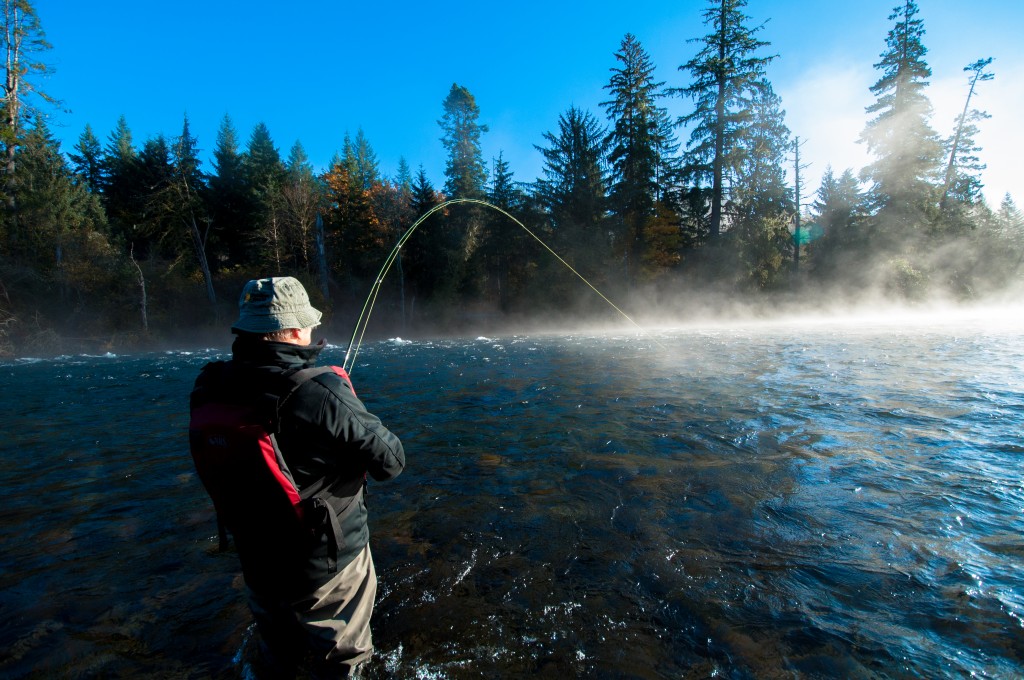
753 501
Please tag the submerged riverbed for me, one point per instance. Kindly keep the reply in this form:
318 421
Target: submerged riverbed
773 500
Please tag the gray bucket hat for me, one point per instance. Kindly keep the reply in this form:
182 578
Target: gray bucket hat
274 304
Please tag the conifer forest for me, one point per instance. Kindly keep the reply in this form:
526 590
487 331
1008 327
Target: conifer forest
123 243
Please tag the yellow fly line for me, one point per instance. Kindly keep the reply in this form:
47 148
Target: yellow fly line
364 316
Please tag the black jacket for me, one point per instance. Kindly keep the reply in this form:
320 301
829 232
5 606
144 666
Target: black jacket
325 432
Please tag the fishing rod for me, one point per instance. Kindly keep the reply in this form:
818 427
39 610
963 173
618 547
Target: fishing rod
364 316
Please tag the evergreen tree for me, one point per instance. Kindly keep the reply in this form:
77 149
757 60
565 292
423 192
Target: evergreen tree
174 218
840 210
501 255
228 199
303 196
23 39
762 200
760 185
264 174
998 240
185 155
424 197
669 169
406 198
574 187
899 136
154 231
466 177
403 177
431 255
694 214
504 191
962 181
573 191
403 218
1011 222
87 160
188 185
464 170
121 183
636 144
726 74
364 162
67 251
262 161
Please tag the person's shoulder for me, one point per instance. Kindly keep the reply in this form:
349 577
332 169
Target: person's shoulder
328 378
212 372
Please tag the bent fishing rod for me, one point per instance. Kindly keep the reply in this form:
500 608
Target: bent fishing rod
364 316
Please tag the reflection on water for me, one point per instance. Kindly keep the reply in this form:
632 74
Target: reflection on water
739 502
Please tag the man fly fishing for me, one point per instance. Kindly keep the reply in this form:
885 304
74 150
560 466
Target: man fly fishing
283 448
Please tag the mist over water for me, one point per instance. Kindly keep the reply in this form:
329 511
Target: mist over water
756 500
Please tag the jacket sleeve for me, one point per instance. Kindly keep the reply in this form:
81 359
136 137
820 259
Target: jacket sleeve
354 435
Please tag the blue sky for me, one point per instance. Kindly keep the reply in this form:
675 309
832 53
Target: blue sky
319 69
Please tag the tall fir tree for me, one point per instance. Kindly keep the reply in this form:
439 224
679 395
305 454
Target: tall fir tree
840 209
87 160
962 181
262 160
636 145
466 175
763 202
466 178
153 232
122 184
228 199
430 257
264 174
574 189
188 186
364 162
726 74
760 184
501 254
906 149
24 41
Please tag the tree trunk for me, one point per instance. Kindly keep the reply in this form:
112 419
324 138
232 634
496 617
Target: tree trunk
12 94
717 163
142 290
200 248
321 259
951 166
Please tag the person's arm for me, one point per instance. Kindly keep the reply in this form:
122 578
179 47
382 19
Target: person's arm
357 431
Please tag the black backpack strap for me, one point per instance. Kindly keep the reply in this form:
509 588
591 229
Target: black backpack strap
314 491
336 538
294 380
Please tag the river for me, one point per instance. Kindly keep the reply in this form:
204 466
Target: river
762 500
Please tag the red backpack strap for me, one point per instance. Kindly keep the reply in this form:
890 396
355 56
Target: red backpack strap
343 374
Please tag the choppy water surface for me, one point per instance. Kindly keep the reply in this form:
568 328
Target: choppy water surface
760 501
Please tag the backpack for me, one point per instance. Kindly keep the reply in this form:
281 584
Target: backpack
235 418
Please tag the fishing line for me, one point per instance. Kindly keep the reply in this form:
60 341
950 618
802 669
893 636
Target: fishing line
364 316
